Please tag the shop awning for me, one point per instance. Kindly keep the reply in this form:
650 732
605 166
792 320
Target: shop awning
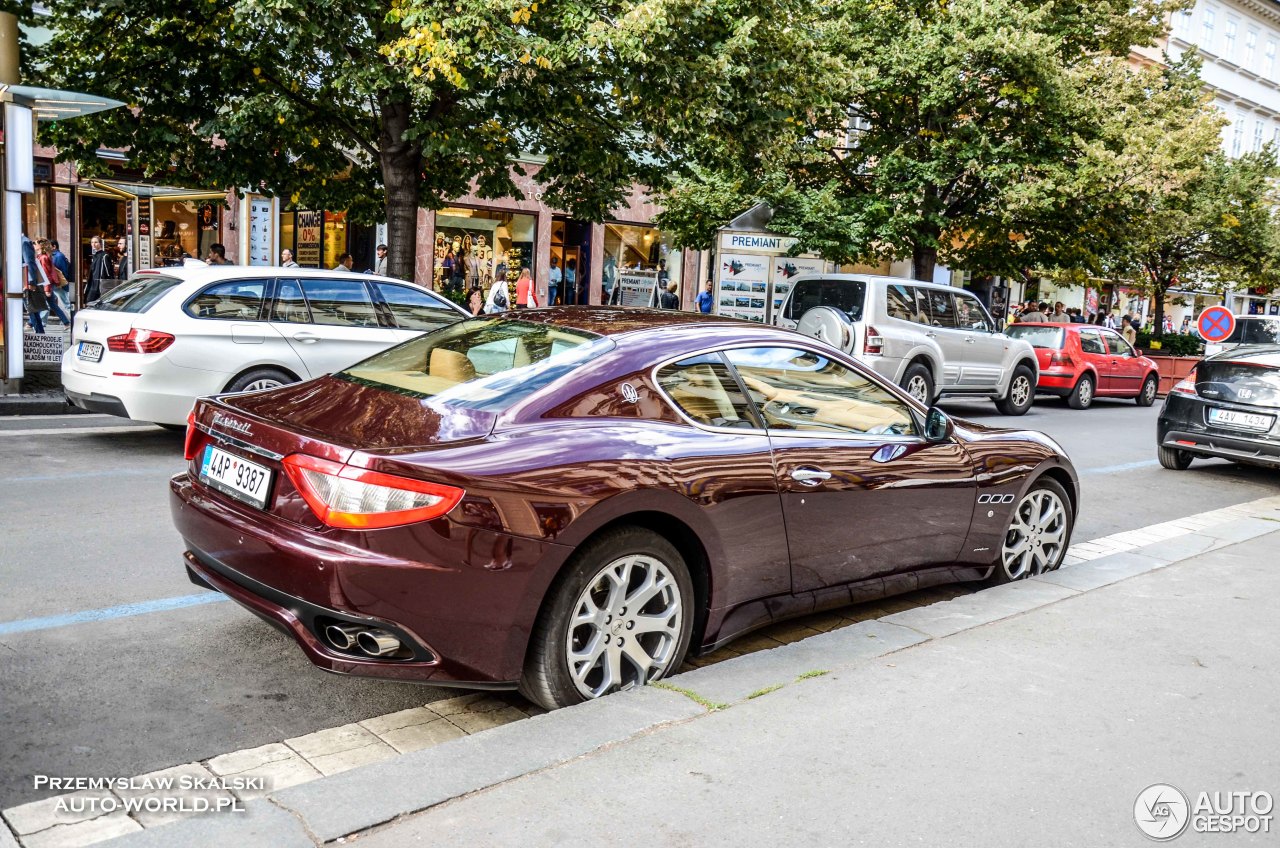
140 191
51 104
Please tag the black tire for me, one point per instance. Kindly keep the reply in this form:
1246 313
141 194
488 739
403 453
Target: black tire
260 375
1150 386
1081 396
1174 459
918 376
1001 573
547 679
1008 405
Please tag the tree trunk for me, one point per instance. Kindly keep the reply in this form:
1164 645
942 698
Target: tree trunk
1161 287
401 165
924 258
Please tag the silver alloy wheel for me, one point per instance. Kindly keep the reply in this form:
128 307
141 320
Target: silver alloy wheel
1036 537
1149 390
918 388
262 384
625 626
1086 392
1020 390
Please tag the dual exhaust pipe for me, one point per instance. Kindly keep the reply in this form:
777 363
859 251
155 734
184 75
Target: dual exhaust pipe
369 640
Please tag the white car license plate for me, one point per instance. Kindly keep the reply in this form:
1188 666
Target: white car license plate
89 352
1244 420
236 476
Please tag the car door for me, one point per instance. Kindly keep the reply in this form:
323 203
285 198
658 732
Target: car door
1094 352
984 350
415 311
944 332
1127 372
344 324
231 331
863 494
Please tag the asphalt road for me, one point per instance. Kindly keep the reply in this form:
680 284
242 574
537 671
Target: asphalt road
87 527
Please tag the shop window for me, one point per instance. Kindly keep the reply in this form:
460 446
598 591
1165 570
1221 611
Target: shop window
637 259
176 231
472 246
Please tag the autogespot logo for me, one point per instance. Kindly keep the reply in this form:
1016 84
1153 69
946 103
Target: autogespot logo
1162 812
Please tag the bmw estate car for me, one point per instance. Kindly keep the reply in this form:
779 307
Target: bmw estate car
570 501
153 345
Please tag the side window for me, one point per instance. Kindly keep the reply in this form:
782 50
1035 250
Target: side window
344 303
234 300
1261 331
900 302
704 389
969 313
942 308
290 306
1119 347
805 391
414 309
1091 341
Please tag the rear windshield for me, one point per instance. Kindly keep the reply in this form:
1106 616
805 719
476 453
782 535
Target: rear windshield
1239 382
1255 331
844 295
1043 337
484 364
137 295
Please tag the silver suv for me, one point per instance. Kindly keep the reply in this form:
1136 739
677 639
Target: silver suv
932 340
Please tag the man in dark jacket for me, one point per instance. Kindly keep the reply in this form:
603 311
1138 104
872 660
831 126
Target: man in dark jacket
100 268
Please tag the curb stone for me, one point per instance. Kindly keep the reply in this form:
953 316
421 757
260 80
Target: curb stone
261 825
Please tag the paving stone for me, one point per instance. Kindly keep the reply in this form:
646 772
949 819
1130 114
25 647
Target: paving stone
474 722
261 825
755 642
280 774
341 761
332 741
792 633
415 737
456 705
193 772
251 758
1242 529
980 608
824 622
7 839
1102 572
1181 547
84 833
381 725
41 815
351 802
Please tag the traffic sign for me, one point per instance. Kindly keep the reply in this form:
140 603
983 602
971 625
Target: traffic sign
1216 323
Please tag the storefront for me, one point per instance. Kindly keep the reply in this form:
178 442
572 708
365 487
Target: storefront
318 238
1254 302
471 246
639 262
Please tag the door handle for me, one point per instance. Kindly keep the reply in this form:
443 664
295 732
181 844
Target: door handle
931 335
969 340
810 476
306 338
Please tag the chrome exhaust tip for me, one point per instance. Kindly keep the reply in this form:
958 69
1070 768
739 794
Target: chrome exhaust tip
343 636
377 643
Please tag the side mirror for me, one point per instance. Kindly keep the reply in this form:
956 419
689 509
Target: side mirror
938 426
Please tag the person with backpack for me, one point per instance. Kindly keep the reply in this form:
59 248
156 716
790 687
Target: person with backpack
499 299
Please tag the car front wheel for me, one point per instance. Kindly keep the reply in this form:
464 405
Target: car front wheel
1038 534
618 617
1022 391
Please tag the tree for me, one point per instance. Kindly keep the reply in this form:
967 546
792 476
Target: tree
375 106
921 117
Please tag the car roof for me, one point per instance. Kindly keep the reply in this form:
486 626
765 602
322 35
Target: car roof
1066 325
871 278
1268 355
619 320
213 273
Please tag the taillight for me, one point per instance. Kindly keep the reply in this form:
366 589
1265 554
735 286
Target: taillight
1185 386
189 446
140 341
359 499
1060 357
872 342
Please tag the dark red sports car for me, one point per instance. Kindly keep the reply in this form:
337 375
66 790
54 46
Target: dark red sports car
570 500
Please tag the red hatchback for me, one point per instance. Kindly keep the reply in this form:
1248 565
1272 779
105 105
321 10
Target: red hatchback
1083 361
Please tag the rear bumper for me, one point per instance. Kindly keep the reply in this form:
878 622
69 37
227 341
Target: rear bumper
1182 427
162 393
464 599
1056 383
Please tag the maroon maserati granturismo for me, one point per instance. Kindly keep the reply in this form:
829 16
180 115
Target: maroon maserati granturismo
570 500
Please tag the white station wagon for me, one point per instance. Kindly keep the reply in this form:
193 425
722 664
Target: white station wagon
153 345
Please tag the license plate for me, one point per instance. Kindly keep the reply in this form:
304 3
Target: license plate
89 352
236 476
1243 420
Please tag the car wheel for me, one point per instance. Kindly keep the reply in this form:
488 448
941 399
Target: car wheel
260 379
1022 391
1147 396
1081 396
918 383
1038 534
619 616
1174 459
173 428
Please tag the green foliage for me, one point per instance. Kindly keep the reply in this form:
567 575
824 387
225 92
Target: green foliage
1173 344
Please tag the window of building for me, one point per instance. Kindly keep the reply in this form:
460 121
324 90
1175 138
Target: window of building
473 245
1229 39
1237 136
638 258
1182 24
1206 28
1250 47
1269 63
1257 136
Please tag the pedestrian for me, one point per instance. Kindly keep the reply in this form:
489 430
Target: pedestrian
1034 313
523 285
122 259
706 300
571 282
1186 325
286 259
55 284
1167 326
669 298
1059 315
1129 329
60 260
100 268
499 299
380 267
345 261
553 282
217 255
475 298
33 296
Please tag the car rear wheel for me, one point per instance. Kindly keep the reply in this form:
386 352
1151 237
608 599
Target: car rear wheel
1081 396
1174 459
1022 391
1150 386
260 379
619 616
918 383
1038 534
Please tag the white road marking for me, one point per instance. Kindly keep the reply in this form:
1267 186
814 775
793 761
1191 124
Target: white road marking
80 431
